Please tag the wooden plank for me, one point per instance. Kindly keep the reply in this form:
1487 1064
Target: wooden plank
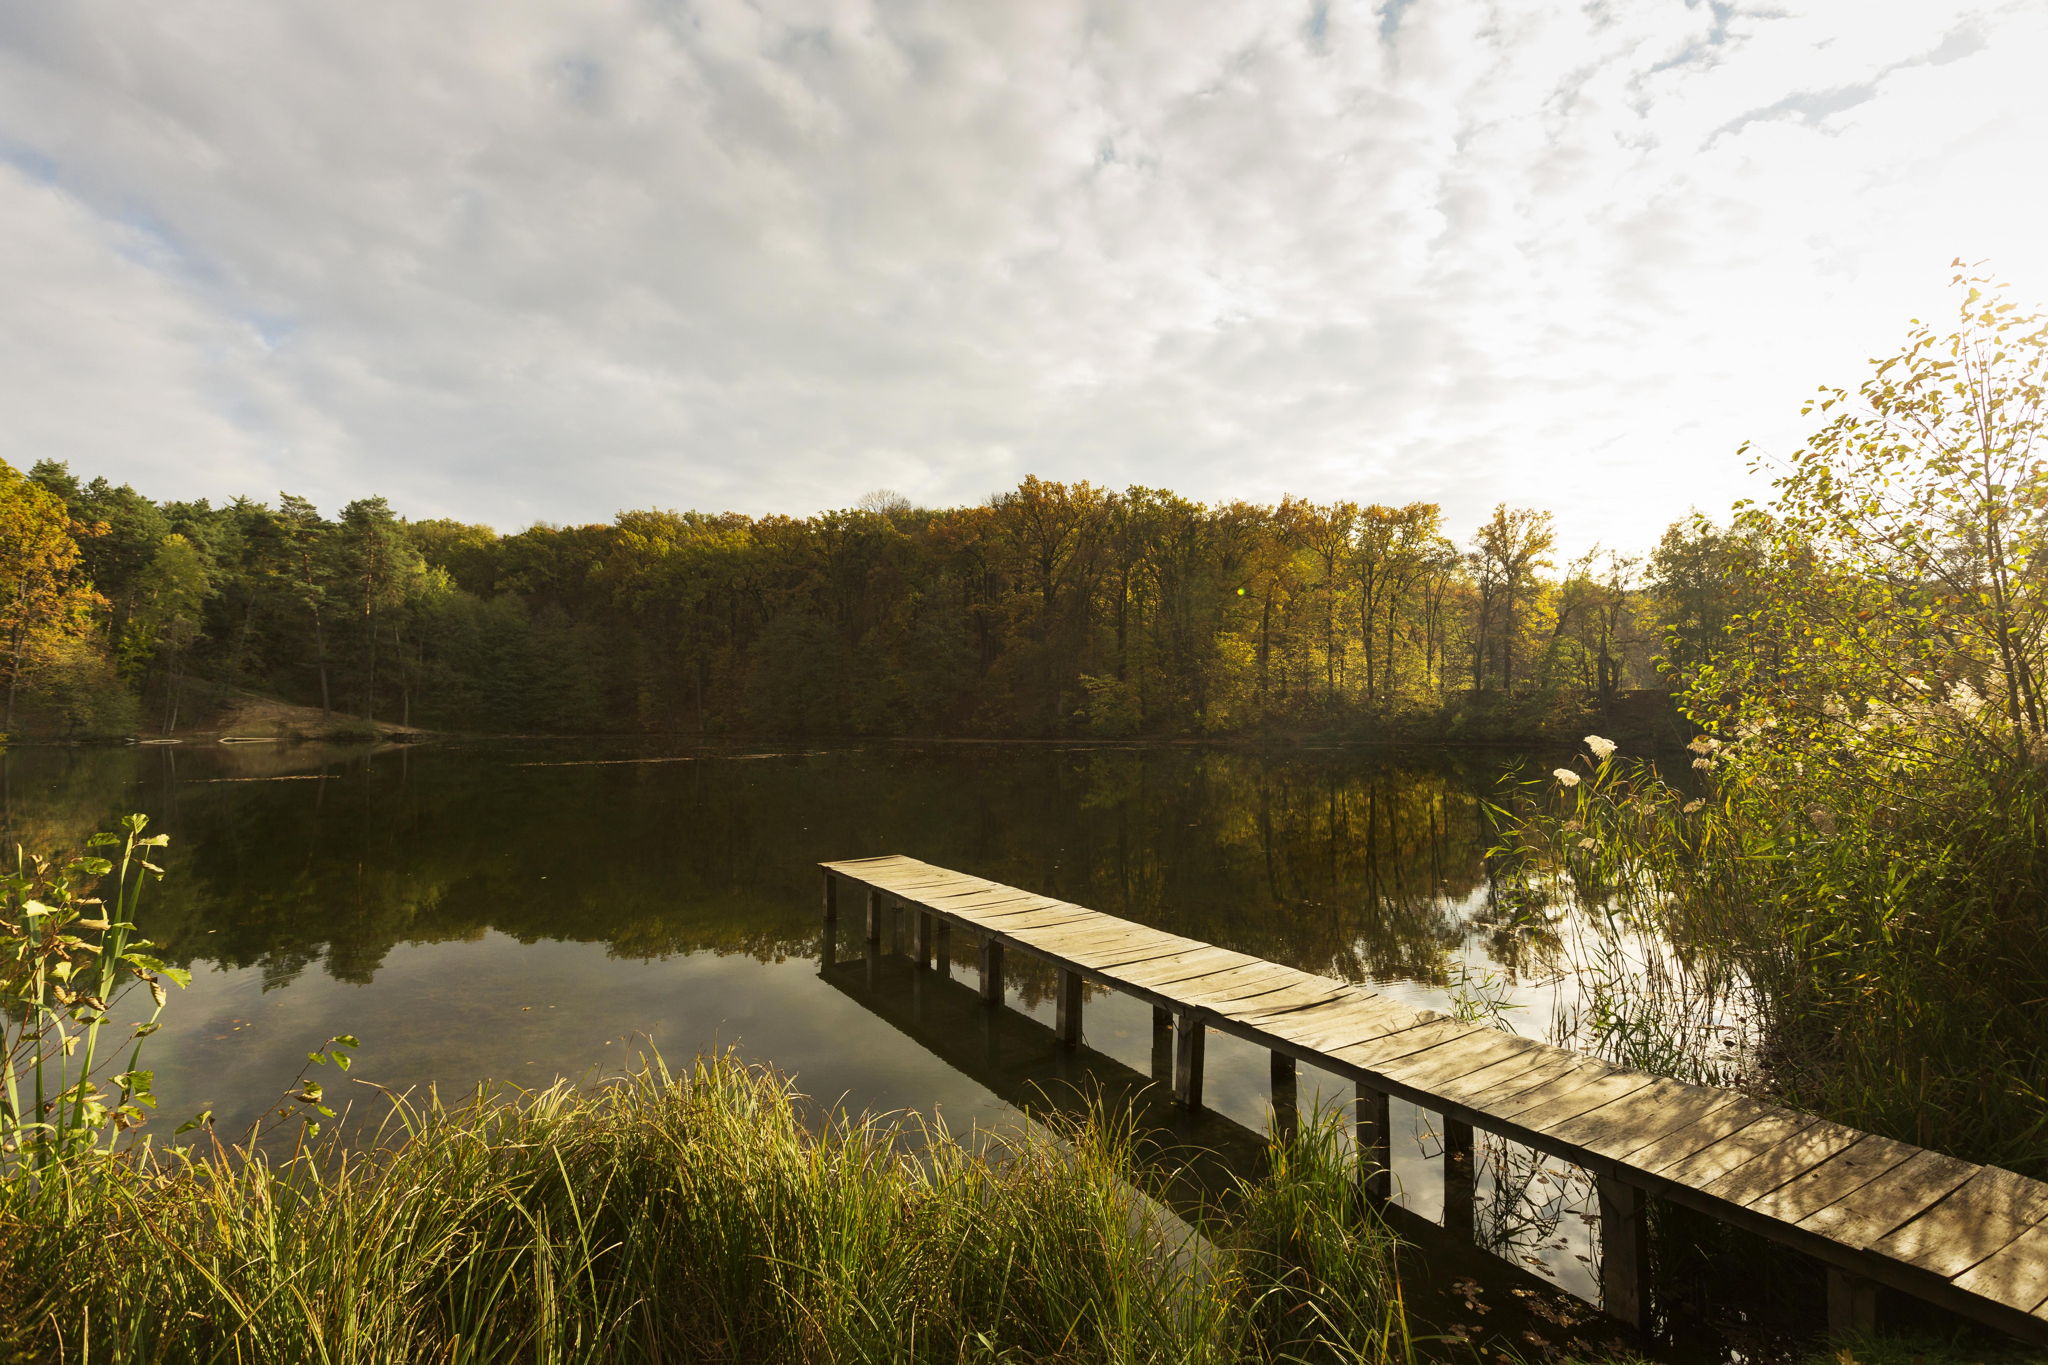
1427 1069
1157 974
1547 1113
1078 940
1977 1218
1232 983
991 904
1286 1018
1578 1071
1385 1049
1670 1148
1438 1046
1101 957
1865 1214
1026 921
1782 1162
856 868
1352 1028
1301 994
1343 993
994 911
908 878
1507 1077
2015 1275
1865 1159
1710 1163
1629 1122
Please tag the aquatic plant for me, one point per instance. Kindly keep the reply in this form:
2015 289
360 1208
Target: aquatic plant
68 950
692 1217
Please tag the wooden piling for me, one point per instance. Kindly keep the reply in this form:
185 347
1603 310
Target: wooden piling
1459 1175
1286 1095
1068 1009
992 971
1375 1143
1189 1035
1625 1252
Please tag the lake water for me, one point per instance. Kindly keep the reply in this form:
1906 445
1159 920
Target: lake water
518 912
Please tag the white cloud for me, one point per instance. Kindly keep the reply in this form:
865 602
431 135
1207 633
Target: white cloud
510 261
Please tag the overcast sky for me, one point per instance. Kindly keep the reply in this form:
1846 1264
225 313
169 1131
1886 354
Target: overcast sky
508 261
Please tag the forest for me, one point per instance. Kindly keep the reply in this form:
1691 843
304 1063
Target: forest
1054 609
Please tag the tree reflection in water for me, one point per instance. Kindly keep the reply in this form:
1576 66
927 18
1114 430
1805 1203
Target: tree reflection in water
1344 862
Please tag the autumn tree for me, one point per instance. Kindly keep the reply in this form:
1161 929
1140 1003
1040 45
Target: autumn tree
45 601
1508 553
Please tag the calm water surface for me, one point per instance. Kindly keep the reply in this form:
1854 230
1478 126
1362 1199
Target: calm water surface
526 911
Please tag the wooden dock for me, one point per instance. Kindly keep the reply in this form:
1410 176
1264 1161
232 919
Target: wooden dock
1972 1239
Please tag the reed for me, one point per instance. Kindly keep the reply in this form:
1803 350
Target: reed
1849 936
689 1217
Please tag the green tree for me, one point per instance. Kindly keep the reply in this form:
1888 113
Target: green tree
172 592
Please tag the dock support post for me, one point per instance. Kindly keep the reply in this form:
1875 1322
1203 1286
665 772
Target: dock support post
1852 1304
942 948
1189 1035
828 932
1625 1253
1162 1044
924 937
1286 1097
1069 1008
1460 1186
1375 1144
874 919
991 971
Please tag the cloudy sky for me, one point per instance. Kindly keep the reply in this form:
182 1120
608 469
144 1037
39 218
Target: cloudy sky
512 260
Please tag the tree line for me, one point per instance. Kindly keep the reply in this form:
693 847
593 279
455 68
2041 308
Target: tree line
1053 609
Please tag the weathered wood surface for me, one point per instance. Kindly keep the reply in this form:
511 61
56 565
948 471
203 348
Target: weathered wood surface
1972 1238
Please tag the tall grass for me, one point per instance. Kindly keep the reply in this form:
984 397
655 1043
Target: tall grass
691 1217
1849 933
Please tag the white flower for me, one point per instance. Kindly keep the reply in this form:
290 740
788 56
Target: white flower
1565 777
1603 749
1704 744
1692 805
1705 765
